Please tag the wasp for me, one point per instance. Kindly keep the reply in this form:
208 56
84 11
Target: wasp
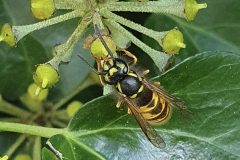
149 104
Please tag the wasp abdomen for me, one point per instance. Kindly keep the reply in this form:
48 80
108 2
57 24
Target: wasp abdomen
156 110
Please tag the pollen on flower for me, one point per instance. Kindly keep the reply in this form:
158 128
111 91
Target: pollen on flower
192 8
173 41
23 157
98 50
42 9
73 107
33 92
45 76
7 35
4 158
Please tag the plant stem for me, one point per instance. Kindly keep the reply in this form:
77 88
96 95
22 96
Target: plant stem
174 7
137 27
21 31
37 149
11 109
15 145
158 57
31 130
63 52
70 4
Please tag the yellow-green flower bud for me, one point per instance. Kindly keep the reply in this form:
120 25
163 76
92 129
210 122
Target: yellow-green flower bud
42 9
41 96
45 76
98 50
192 8
173 41
23 157
4 158
7 35
73 107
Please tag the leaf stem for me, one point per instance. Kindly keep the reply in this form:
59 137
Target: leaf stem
11 109
158 57
32 130
174 7
21 31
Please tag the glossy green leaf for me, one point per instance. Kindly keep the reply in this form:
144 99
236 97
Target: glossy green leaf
214 29
209 85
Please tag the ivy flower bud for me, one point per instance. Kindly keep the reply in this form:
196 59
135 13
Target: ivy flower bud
41 96
192 8
45 77
173 41
73 107
42 9
7 35
4 158
99 51
23 157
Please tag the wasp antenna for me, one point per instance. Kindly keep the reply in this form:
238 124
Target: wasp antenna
97 31
93 69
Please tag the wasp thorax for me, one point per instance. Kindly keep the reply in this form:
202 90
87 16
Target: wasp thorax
115 70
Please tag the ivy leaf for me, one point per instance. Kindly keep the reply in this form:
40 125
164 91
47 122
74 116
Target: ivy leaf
215 28
208 83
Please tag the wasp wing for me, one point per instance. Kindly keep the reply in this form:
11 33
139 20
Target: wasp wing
173 101
147 129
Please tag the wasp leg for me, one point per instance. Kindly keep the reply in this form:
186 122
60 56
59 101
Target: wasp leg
129 55
119 102
145 73
99 69
129 111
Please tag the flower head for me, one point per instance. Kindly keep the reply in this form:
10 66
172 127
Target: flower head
42 9
98 50
192 8
173 41
7 35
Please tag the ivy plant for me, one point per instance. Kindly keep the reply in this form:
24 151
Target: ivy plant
53 107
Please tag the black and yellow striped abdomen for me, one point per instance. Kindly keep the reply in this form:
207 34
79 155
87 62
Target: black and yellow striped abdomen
153 107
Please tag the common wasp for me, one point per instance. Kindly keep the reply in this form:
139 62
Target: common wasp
149 104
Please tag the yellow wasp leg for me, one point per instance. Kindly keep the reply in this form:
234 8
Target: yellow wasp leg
119 102
145 73
129 111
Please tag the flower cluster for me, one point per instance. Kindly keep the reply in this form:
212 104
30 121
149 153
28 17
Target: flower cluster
91 11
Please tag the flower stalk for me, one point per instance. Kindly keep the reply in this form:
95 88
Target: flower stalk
21 31
158 57
11 109
174 7
63 52
137 27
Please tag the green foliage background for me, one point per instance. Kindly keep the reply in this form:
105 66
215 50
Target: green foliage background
206 76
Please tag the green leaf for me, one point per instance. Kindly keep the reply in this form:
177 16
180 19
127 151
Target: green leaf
208 83
214 29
